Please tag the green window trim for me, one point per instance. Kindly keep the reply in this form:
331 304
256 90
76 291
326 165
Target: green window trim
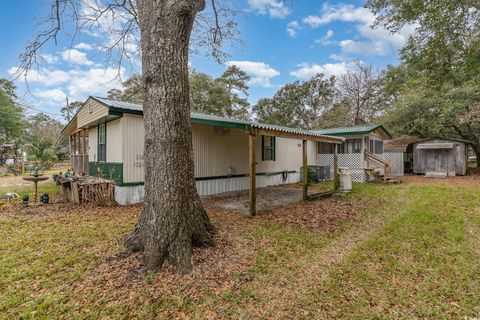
268 148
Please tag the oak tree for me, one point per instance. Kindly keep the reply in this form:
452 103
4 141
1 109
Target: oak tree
173 218
299 104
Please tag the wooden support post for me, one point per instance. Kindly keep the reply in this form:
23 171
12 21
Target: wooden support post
85 153
74 143
336 176
79 150
305 170
252 173
70 144
74 156
84 134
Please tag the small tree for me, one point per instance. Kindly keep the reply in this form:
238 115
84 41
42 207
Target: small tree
236 85
70 110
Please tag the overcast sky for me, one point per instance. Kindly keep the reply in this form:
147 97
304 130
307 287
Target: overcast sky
283 41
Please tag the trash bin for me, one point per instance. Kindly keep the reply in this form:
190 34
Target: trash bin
345 180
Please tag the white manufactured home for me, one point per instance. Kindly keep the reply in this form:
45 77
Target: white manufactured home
107 140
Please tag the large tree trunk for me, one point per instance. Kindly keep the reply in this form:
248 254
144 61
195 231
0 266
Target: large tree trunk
173 218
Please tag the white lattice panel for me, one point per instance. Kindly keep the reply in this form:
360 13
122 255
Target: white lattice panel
353 161
396 162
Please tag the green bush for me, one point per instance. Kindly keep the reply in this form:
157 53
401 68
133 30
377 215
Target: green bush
41 151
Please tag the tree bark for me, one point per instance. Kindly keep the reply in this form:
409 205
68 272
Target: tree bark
173 218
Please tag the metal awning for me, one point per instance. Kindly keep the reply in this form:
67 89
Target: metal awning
438 145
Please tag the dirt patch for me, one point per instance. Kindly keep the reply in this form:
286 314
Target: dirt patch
17 182
267 198
320 214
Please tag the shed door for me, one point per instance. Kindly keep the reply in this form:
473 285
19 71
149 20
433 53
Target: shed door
437 160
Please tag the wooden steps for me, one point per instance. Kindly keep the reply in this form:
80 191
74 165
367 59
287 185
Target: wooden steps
379 163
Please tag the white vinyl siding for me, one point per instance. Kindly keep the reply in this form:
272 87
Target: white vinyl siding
133 137
114 141
92 144
217 151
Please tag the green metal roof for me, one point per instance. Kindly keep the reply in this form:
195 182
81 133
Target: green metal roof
201 118
123 105
344 131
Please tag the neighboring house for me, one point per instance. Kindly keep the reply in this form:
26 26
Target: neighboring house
448 156
361 152
107 139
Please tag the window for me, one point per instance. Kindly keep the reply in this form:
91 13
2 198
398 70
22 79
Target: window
376 146
325 148
351 146
102 142
357 145
268 148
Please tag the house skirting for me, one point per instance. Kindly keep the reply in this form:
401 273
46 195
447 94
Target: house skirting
130 194
216 186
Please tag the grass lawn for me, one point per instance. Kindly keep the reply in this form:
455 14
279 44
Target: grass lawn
409 251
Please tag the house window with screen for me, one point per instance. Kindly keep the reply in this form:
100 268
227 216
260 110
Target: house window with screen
268 148
102 145
376 146
351 146
325 148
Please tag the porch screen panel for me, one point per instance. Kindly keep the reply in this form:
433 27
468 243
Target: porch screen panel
376 146
102 143
325 148
351 146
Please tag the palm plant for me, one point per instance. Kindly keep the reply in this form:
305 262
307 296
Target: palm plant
41 151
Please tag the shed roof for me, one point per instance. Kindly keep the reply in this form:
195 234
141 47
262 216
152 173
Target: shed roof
402 143
200 118
360 129
437 145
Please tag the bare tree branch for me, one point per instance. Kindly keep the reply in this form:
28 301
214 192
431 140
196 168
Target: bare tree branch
117 22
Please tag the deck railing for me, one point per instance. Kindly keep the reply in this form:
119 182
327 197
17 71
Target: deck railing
378 161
